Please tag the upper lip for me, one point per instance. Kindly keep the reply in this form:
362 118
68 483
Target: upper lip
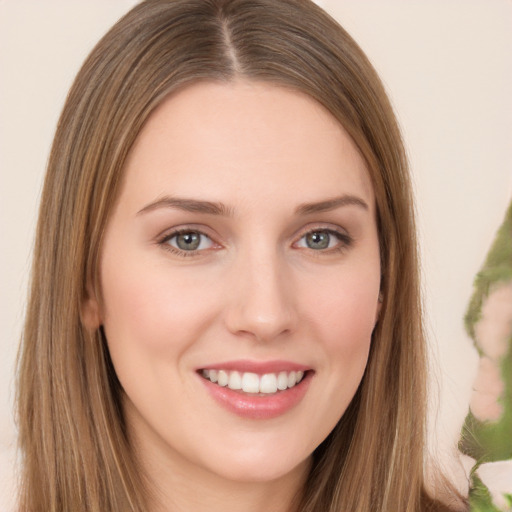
258 367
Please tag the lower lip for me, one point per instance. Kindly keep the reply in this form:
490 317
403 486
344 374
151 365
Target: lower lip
257 407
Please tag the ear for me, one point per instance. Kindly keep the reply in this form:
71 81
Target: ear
379 307
90 311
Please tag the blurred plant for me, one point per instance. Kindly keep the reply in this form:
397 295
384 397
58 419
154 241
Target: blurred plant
487 431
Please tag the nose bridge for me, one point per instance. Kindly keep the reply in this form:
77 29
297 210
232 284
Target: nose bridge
261 303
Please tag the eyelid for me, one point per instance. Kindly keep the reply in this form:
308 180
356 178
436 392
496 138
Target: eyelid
345 239
341 234
162 240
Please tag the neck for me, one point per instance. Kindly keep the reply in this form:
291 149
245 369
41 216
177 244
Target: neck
178 493
179 486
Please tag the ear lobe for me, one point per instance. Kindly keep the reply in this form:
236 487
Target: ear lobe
90 313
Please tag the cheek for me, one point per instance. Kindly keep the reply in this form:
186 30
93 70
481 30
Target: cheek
153 308
347 310
344 319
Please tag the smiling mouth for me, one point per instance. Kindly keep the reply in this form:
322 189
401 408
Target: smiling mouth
252 383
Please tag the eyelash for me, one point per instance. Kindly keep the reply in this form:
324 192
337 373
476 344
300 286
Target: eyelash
164 242
344 241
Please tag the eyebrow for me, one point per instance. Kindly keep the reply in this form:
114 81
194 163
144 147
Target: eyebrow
331 204
187 205
215 208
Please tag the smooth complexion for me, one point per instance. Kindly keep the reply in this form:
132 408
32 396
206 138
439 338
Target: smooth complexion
244 238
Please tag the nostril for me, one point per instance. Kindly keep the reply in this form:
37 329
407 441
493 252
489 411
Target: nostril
262 302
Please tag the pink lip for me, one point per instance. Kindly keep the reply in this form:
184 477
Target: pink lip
258 407
258 367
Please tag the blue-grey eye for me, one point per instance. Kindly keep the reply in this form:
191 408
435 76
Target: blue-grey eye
320 239
190 241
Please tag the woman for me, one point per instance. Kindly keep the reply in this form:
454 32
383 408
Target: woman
215 299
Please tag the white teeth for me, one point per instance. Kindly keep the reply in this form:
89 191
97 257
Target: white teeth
268 383
282 381
235 381
222 378
249 382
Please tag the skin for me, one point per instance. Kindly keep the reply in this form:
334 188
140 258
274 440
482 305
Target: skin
255 290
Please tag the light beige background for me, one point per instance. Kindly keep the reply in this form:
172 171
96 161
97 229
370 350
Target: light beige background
448 69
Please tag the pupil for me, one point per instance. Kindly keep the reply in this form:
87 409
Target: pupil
188 241
318 240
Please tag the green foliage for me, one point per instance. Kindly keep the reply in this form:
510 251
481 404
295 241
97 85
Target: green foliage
497 268
491 441
488 441
480 499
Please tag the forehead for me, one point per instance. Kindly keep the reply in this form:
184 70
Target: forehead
243 139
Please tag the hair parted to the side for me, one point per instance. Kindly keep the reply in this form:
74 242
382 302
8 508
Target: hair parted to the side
76 456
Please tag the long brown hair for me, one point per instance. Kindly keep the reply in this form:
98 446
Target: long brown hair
71 430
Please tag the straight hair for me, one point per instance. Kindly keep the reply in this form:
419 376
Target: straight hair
72 435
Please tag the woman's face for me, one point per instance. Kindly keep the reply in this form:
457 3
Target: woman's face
243 249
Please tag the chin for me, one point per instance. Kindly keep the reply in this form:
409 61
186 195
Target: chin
262 471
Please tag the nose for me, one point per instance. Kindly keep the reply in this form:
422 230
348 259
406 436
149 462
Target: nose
261 304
